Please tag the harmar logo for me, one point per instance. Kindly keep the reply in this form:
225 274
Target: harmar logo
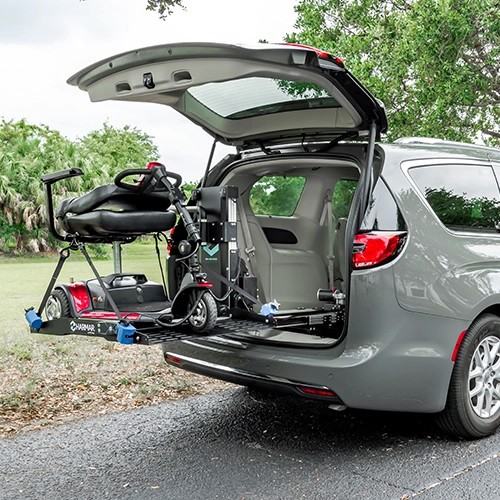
81 327
211 251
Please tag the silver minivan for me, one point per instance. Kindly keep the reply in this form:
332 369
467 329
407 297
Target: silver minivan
403 238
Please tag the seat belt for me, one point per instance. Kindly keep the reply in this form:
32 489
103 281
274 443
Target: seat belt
327 216
249 248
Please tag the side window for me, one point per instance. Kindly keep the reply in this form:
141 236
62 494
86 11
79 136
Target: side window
382 214
343 192
276 195
463 197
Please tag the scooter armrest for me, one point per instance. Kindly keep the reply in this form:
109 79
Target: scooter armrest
48 180
60 175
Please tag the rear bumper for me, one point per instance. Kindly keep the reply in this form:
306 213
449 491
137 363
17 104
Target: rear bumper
250 378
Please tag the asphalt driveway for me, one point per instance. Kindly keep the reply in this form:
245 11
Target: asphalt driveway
233 446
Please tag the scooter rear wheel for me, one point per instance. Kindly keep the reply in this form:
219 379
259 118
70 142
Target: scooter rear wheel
204 316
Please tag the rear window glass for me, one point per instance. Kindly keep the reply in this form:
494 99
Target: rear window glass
463 197
247 97
276 195
382 213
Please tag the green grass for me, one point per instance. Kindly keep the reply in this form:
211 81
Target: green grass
24 280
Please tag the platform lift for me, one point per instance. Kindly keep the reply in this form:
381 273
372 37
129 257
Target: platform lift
210 292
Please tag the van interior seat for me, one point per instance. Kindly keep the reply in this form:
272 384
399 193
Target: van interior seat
292 272
288 274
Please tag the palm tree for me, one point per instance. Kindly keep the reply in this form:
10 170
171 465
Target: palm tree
28 151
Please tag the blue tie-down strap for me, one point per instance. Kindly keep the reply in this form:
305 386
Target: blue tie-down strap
125 333
270 308
33 319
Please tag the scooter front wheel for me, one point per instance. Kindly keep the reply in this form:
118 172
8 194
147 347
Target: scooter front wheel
204 316
57 306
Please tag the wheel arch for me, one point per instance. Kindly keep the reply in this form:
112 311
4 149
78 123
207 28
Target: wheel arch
491 309
481 309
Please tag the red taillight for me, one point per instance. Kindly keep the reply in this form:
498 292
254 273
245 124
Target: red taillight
174 359
375 248
314 391
205 284
80 296
320 53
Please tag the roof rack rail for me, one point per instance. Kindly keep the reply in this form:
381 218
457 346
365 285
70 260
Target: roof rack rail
432 140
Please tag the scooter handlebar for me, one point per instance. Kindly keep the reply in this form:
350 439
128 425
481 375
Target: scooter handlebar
137 187
147 176
177 177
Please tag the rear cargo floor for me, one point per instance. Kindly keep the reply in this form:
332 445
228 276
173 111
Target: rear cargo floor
244 330
151 335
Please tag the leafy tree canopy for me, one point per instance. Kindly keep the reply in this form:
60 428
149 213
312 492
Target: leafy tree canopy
110 150
434 63
163 7
28 151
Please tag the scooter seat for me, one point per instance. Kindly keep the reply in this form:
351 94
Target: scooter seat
111 197
109 211
107 223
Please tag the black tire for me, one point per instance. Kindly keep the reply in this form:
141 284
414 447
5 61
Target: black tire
61 297
205 317
459 417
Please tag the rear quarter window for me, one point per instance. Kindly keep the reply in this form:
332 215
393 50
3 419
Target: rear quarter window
382 213
463 197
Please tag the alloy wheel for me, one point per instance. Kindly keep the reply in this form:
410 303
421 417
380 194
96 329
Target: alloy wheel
484 378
